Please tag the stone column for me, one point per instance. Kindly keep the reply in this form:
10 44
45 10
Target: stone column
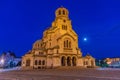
71 62
66 62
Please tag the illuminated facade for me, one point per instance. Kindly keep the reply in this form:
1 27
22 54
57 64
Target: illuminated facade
58 47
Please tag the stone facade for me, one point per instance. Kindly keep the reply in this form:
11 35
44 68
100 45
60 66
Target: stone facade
58 47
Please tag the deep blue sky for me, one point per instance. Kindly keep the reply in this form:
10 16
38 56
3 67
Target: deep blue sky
23 21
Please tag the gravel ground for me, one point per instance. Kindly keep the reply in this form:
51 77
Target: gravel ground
62 74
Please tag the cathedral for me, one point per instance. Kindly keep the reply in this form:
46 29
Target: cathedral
58 47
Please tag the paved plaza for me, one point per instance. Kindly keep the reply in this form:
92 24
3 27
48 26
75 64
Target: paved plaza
62 74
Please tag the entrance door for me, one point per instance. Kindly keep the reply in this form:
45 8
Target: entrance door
68 61
63 61
74 61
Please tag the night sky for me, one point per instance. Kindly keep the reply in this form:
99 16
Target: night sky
22 22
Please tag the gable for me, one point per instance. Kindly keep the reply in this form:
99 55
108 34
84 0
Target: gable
67 34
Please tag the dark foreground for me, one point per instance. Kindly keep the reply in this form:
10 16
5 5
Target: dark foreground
62 74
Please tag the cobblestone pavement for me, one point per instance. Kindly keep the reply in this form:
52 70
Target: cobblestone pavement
61 74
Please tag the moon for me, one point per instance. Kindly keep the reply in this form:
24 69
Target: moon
85 39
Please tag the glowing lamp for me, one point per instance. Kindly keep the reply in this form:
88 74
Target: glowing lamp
2 61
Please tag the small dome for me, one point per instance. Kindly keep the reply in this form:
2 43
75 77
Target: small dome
61 12
88 56
37 44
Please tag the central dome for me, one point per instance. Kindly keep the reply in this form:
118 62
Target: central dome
61 12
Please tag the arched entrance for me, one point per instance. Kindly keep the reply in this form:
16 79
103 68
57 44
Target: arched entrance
68 61
74 61
63 61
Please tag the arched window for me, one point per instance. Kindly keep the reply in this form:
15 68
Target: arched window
35 62
86 62
39 62
28 62
38 45
59 12
64 43
64 20
63 12
39 53
64 27
67 43
43 62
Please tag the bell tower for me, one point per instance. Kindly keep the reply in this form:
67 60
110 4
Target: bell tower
62 20
61 12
